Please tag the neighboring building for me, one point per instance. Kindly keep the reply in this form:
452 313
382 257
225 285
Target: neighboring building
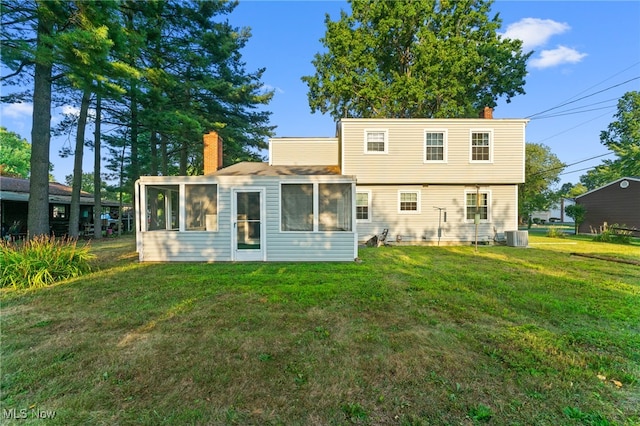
14 205
555 213
248 211
615 203
423 179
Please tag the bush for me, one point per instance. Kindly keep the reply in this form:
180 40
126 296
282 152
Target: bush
42 261
613 234
555 232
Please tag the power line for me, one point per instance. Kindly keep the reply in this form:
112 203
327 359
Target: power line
564 166
584 97
571 128
574 112
578 108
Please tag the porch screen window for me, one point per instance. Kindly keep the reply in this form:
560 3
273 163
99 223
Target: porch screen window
162 207
202 207
434 146
480 146
483 207
296 207
334 205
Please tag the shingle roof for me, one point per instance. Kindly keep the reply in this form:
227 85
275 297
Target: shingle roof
250 168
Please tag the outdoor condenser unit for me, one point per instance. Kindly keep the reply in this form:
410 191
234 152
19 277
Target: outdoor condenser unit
517 238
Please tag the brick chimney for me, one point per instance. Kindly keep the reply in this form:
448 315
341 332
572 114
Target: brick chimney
486 112
212 152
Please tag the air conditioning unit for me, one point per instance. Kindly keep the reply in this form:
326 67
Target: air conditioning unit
517 238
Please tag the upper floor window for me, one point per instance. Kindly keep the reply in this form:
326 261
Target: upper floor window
434 146
363 206
481 146
409 201
375 141
477 202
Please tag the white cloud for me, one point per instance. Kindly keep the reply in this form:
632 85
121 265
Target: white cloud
17 111
68 109
535 32
268 88
558 56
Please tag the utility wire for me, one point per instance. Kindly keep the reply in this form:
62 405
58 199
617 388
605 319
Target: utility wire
561 113
574 112
584 97
564 166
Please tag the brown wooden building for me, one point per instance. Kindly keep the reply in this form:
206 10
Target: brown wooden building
615 203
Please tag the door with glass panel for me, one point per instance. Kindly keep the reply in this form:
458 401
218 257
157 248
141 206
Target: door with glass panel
248 235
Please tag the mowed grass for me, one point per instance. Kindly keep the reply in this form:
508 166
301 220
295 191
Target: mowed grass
407 336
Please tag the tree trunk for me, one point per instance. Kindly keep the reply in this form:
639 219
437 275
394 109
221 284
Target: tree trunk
97 180
184 153
165 155
153 151
38 215
74 211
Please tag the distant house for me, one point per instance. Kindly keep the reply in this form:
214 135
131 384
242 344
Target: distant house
555 213
615 203
14 205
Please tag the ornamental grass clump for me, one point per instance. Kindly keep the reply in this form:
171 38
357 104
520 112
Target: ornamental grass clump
42 261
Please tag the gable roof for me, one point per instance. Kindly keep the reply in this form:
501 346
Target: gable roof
607 185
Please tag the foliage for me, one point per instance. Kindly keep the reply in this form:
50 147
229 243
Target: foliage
577 212
42 261
409 335
541 170
15 154
414 59
613 234
555 232
623 138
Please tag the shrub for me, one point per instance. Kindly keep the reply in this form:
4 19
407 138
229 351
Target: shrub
555 232
42 261
613 234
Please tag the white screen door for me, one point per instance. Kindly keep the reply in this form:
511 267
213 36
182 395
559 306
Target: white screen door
248 241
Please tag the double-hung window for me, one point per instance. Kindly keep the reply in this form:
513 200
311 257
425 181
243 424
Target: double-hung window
376 141
363 206
477 202
409 201
435 146
481 146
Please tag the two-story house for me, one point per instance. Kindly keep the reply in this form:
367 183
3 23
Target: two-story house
425 180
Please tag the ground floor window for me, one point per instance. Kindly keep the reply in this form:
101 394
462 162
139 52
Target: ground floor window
477 202
201 202
320 206
409 201
363 206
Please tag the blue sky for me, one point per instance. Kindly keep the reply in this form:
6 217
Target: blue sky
586 56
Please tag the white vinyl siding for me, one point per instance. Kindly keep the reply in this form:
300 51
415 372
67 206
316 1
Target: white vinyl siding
303 152
405 161
423 227
435 146
481 146
376 141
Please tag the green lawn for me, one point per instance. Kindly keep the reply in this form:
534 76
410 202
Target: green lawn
407 336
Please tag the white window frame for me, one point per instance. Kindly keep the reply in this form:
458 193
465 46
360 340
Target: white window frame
386 141
409 191
488 131
368 219
482 191
444 145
